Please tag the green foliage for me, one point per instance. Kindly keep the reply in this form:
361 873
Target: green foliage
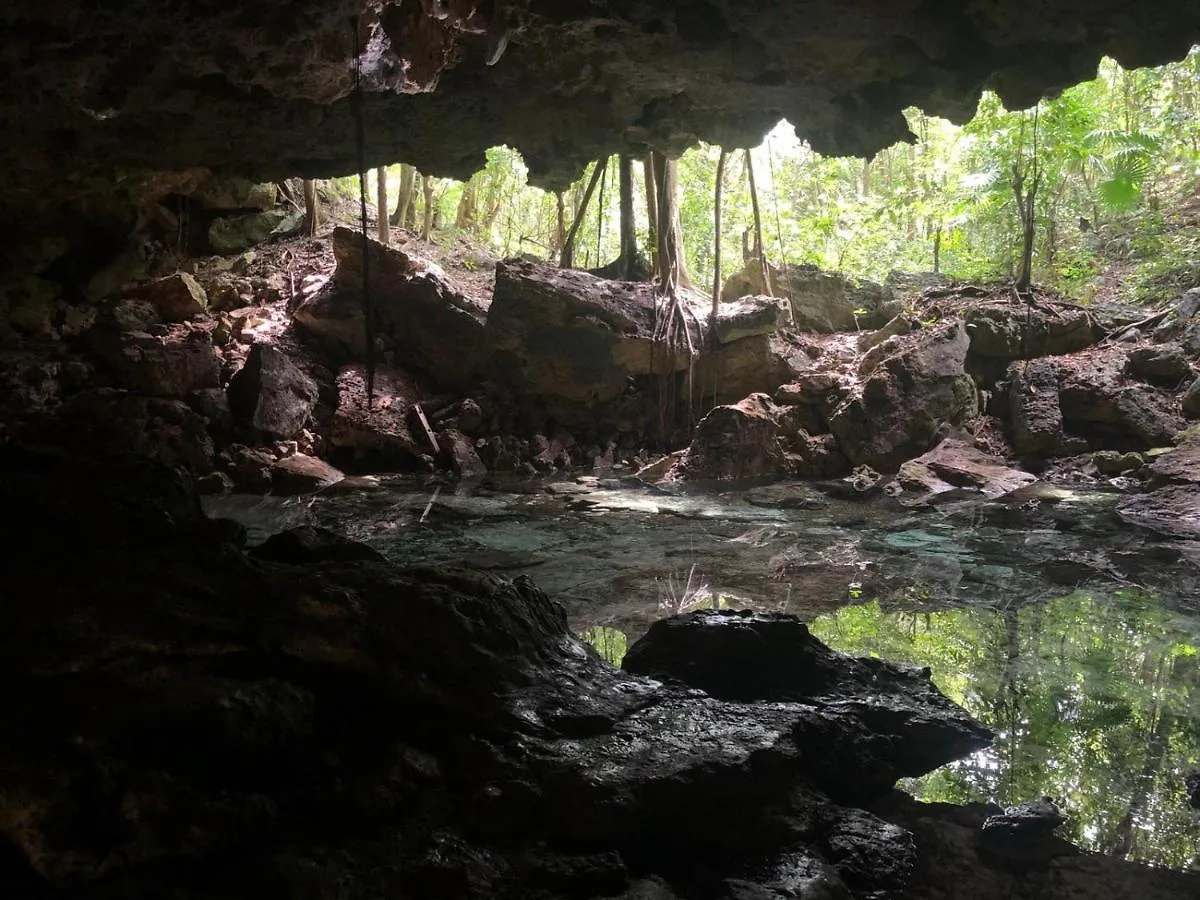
1115 155
610 643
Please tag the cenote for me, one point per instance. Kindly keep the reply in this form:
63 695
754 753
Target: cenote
1076 639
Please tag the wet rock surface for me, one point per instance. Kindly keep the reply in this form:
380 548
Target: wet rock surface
312 718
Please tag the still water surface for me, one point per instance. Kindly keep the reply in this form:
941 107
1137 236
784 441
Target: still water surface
1075 638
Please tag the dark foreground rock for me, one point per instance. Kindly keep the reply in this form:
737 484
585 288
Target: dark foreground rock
185 720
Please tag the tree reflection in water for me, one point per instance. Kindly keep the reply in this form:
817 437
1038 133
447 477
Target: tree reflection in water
1093 696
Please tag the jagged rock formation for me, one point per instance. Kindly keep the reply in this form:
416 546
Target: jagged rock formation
191 721
247 90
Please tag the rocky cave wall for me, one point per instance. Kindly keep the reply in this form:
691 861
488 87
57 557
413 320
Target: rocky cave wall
99 96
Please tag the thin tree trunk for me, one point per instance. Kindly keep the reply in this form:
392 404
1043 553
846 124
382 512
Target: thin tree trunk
467 213
427 192
716 291
651 208
937 250
381 206
560 225
600 215
312 208
629 247
758 234
567 260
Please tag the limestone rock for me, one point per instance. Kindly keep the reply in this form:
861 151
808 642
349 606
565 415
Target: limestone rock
130 315
1164 365
270 396
898 411
1034 410
820 301
759 363
954 465
419 315
460 451
233 193
1099 403
233 234
1191 400
1011 331
569 335
177 297
170 366
750 316
386 434
302 474
736 441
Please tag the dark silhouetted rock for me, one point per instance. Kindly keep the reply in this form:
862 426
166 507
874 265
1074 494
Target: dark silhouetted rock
175 298
270 396
307 544
1035 413
1162 364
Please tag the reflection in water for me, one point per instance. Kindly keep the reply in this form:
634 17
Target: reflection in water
1091 691
1094 699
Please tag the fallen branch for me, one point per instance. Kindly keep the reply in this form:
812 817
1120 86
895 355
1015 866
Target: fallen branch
428 431
1116 333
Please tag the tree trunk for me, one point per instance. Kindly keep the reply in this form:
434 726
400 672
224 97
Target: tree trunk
758 234
402 216
560 224
716 291
600 215
937 250
567 260
672 270
629 247
427 192
312 208
466 217
1025 197
381 206
651 208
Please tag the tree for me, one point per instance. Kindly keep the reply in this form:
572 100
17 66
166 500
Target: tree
716 289
567 260
1026 179
381 205
760 250
404 215
312 208
427 187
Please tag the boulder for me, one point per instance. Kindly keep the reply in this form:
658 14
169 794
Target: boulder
759 363
955 465
174 365
756 437
386 434
735 441
233 234
176 298
302 474
460 451
898 412
1000 330
229 192
1164 365
129 314
750 316
270 396
571 336
1190 402
419 315
213 405
1099 403
1172 506
1035 414
825 302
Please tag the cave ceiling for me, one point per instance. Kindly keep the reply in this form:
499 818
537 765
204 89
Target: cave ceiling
265 88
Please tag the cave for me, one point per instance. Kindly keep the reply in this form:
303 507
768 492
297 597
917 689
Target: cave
340 569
